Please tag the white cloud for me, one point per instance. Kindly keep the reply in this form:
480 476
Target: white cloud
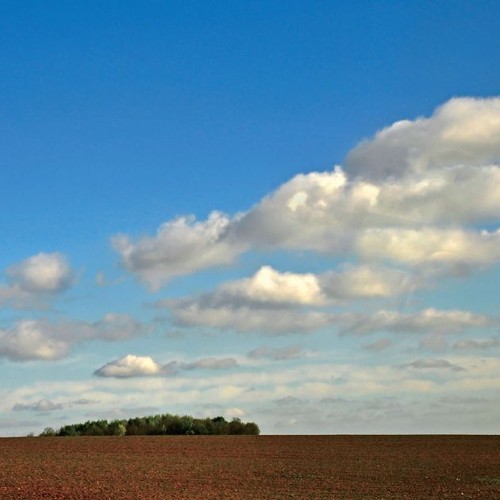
130 366
463 131
325 212
271 301
273 287
33 339
426 321
181 246
45 272
44 340
410 195
270 286
33 281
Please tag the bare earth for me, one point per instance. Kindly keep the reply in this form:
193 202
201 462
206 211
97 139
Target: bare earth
260 467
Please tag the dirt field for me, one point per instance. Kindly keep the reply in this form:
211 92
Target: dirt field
259 467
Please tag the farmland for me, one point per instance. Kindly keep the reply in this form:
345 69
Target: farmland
251 467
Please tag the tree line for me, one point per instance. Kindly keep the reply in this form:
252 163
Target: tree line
157 425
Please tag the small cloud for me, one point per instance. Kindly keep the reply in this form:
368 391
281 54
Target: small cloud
43 405
378 345
210 364
277 354
129 366
439 364
270 286
34 281
44 272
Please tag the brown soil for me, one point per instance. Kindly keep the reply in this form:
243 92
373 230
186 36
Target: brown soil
260 467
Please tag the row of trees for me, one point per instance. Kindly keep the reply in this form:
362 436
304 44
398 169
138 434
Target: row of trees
157 425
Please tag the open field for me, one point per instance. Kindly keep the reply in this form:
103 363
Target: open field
251 467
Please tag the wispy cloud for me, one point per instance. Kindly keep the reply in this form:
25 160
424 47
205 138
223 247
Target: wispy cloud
277 354
378 345
425 321
43 405
474 344
433 364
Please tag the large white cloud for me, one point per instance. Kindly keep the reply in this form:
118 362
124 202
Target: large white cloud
419 190
44 340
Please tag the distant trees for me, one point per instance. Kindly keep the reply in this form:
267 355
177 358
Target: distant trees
165 424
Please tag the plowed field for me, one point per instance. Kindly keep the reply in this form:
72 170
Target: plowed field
260 467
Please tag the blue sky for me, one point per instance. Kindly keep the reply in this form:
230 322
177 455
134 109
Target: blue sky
285 213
